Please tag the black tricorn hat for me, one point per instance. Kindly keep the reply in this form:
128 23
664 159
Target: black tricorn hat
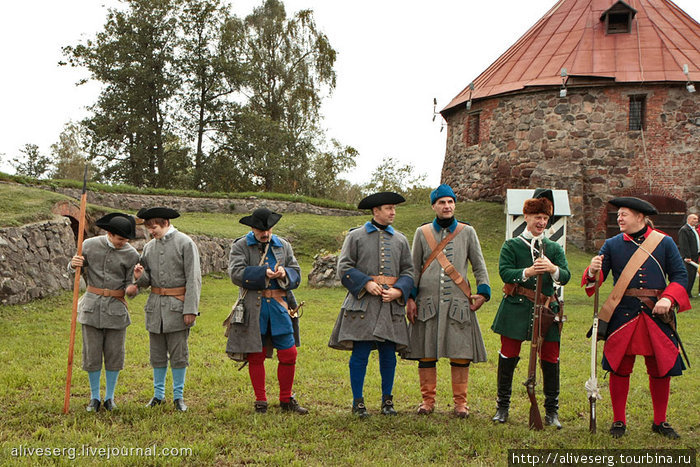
261 219
120 224
379 199
639 205
157 212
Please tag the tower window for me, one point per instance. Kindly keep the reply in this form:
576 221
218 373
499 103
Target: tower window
473 129
637 112
618 18
619 23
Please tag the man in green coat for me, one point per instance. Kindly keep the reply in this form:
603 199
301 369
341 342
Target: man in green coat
519 265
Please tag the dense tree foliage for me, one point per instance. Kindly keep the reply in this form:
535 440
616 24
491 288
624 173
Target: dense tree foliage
68 155
194 97
132 124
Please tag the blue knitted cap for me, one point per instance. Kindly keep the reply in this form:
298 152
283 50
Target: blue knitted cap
442 191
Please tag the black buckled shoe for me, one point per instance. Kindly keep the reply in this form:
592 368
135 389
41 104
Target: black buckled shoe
293 406
109 405
388 405
664 429
260 406
501 415
359 409
154 401
180 405
618 429
552 419
93 405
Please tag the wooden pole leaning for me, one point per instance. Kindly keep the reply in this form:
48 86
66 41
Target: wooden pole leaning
76 294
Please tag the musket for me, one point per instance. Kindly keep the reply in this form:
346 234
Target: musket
76 293
592 383
535 421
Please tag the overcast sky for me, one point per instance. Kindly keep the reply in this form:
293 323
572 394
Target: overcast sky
393 58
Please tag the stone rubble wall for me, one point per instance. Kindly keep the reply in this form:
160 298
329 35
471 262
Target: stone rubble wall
134 202
34 259
323 271
580 143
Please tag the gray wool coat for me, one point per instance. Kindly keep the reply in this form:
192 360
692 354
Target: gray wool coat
105 267
168 262
244 338
445 326
364 317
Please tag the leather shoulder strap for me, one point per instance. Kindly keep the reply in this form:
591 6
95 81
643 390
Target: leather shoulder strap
427 230
633 265
437 253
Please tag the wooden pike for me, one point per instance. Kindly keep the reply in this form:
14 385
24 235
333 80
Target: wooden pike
76 294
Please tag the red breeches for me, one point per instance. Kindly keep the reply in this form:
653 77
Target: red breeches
549 351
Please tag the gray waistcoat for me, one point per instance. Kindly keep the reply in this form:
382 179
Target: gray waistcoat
172 261
105 267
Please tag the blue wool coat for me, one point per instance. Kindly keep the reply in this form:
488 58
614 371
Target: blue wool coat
666 262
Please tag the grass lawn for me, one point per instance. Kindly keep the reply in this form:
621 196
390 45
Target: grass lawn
22 205
221 428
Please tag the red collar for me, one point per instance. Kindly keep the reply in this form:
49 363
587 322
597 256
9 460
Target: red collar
627 238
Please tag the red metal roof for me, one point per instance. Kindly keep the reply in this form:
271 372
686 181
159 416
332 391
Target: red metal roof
571 35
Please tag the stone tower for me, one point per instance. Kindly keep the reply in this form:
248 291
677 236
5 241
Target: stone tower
596 98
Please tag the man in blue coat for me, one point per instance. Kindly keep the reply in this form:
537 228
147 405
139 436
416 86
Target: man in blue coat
642 322
264 267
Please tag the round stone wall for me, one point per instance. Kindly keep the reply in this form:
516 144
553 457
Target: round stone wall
580 143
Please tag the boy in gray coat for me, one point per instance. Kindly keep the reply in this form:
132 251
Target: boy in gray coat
170 266
108 262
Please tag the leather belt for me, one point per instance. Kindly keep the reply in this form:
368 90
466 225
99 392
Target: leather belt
177 292
385 280
278 295
644 294
515 289
273 293
118 294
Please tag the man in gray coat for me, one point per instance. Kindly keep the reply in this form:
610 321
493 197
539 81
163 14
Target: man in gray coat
264 267
375 266
442 308
170 266
108 262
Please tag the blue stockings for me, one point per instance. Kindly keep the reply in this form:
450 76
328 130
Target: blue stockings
358 365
